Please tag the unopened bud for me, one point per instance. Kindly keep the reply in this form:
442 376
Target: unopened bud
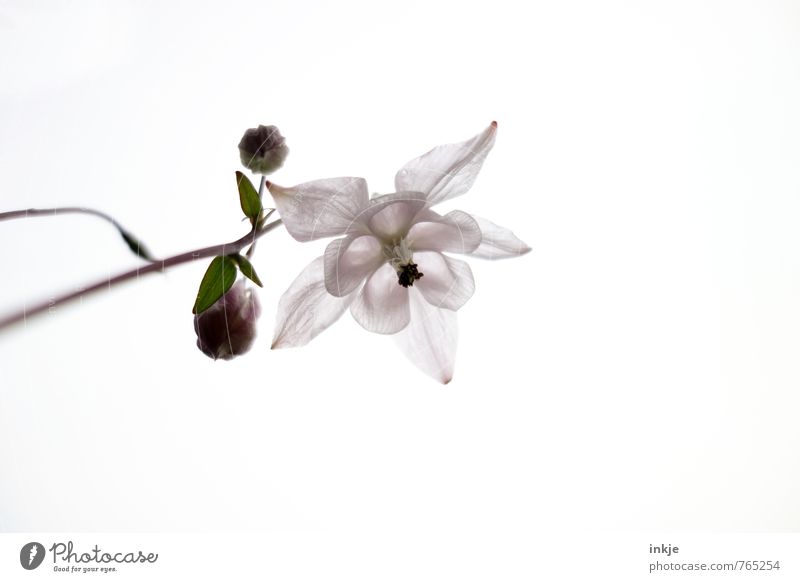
228 328
263 149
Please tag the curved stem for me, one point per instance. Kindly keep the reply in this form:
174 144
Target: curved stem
28 212
252 248
153 267
133 243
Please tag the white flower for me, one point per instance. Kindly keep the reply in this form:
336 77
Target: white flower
389 267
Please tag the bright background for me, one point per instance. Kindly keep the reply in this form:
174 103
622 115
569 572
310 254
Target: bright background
637 370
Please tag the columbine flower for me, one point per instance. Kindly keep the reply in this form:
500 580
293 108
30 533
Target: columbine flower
263 149
389 267
228 328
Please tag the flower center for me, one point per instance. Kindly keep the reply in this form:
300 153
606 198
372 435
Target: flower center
408 275
402 259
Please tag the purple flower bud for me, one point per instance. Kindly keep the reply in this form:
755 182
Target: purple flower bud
228 328
263 149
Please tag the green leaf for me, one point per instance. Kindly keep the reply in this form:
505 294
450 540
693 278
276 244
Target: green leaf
247 269
219 278
248 197
137 247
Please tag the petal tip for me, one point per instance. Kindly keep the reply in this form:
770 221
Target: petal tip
273 188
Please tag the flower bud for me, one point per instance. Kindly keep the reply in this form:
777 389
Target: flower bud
228 328
263 149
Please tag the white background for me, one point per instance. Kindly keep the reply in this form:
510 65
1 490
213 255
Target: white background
637 371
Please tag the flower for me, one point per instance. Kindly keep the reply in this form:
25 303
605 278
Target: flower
263 149
388 267
228 328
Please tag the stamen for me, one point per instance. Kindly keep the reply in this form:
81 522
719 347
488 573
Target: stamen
401 258
407 274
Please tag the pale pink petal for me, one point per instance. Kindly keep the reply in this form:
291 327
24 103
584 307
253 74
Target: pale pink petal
382 304
449 170
431 339
445 282
497 242
414 202
306 309
455 232
349 260
378 200
321 208
392 221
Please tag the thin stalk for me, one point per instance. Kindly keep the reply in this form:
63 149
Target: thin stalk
252 248
133 243
29 212
154 267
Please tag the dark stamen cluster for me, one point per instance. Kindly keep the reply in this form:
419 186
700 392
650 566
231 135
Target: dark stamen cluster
408 274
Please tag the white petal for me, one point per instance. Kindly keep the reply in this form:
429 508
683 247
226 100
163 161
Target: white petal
414 202
393 220
497 242
349 260
306 309
382 304
445 282
449 170
431 339
321 208
455 232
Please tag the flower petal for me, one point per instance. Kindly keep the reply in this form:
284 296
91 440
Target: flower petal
431 339
382 304
393 219
414 202
455 232
349 260
445 282
449 170
497 242
306 309
321 208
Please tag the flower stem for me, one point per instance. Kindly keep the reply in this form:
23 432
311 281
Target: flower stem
252 248
155 266
133 243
